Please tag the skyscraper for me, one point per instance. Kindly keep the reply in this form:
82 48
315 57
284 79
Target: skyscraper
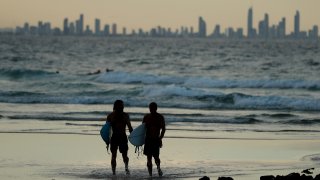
216 31
106 30
202 28
77 29
97 27
297 24
40 28
72 29
281 33
65 26
266 25
26 28
250 23
314 33
81 26
114 29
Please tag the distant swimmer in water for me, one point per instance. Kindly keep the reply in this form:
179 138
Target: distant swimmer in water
109 70
99 71
96 72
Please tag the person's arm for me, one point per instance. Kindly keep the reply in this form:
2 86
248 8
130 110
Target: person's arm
144 119
129 124
108 118
163 128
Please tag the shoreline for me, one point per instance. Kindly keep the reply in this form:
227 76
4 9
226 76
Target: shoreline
167 137
70 156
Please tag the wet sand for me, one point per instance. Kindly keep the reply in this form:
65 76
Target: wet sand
67 156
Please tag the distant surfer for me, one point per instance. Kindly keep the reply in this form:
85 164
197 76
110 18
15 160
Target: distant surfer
96 72
99 71
109 70
119 120
155 129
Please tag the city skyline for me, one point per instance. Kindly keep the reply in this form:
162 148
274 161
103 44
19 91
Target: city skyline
265 29
147 14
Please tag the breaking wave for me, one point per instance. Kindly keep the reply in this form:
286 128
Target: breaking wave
205 82
198 99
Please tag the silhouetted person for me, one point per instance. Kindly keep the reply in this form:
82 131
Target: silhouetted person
153 141
119 120
109 70
96 72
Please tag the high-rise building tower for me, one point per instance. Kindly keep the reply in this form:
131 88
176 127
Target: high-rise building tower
97 27
281 29
316 31
26 28
66 27
106 30
81 25
191 31
250 33
72 29
216 32
297 24
202 28
284 27
266 26
114 29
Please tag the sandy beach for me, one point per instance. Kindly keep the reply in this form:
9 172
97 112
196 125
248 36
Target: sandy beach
62 156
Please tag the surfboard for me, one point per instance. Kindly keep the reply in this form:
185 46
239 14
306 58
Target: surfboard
138 135
106 132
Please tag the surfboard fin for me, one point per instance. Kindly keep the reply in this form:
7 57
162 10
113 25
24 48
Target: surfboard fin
138 150
108 148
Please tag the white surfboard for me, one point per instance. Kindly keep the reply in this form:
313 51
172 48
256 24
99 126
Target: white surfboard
138 135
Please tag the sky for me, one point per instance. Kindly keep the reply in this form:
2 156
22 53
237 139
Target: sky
147 14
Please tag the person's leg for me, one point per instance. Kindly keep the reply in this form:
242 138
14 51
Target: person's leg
157 161
123 148
114 148
126 161
114 161
149 164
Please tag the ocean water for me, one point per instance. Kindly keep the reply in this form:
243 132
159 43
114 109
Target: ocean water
206 89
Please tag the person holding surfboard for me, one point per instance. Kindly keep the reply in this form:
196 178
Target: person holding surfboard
119 120
155 129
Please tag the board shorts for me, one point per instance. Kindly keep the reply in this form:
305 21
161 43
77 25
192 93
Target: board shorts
152 147
120 141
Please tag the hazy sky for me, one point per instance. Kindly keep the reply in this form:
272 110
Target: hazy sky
151 13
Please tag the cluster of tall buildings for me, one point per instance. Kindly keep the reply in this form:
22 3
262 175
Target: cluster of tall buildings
264 30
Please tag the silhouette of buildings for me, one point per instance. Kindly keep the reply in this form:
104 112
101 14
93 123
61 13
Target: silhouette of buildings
97 30
217 32
264 30
264 27
66 29
250 30
202 28
297 25
114 29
